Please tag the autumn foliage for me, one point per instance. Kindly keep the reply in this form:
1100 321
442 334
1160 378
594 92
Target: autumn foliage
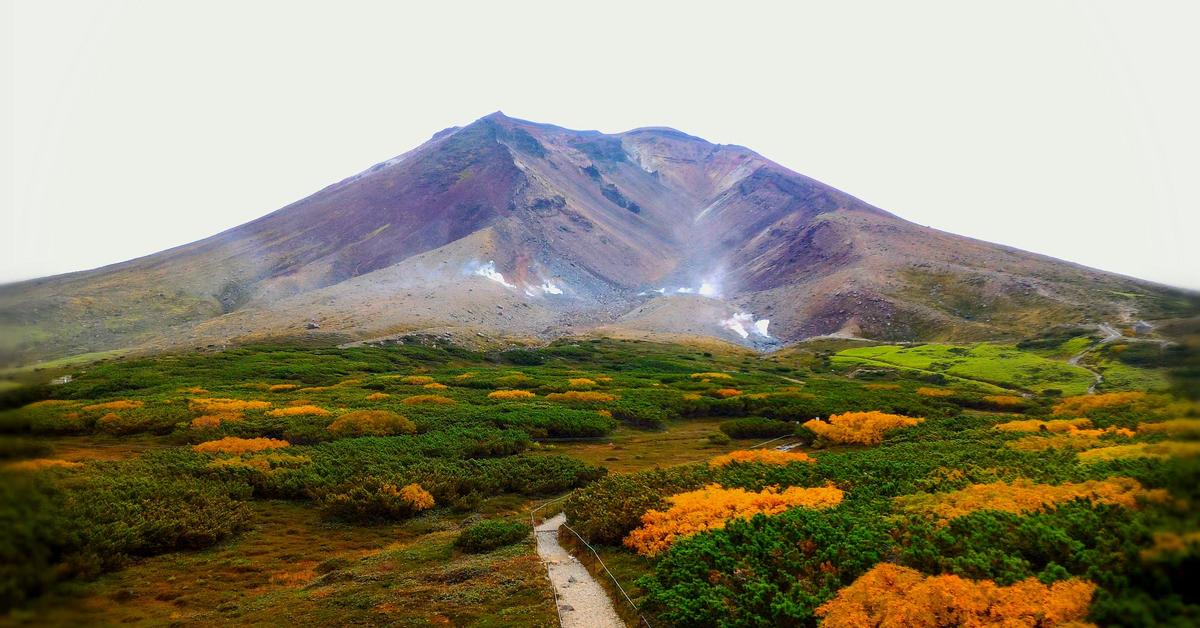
711 375
581 382
437 400
305 410
40 464
1081 405
216 405
726 393
859 428
417 380
509 395
1185 428
926 391
761 456
894 596
1004 401
1161 450
1034 425
120 404
710 507
372 423
414 495
1021 496
581 396
234 445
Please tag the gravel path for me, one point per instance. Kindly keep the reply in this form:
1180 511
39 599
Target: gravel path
581 600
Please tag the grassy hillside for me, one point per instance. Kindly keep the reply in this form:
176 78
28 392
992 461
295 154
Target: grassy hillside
276 484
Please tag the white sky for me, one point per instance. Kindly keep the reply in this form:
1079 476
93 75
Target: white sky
1066 128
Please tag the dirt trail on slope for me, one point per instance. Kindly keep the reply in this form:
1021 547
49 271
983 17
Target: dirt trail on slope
582 602
1110 334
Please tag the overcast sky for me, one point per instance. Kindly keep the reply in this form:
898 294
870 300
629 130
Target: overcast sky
1066 128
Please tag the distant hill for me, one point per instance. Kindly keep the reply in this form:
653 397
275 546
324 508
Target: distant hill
509 229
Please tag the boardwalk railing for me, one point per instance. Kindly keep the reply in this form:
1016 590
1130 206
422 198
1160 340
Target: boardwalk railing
599 560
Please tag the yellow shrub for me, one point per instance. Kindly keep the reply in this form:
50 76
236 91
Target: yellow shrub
859 428
428 399
605 413
464 376
604 379
1004 401
39 464
511 394
893 596
581 382
1082 404
1023 496
305 410
435 386
1183 428
414 495
581 396
417 380
372 423
1165 449
926 391
283 387
1034 425
711 507
216 405
1070 440
194 390
763 456
49 403
711 375
726 393
234 445
120 404
377 396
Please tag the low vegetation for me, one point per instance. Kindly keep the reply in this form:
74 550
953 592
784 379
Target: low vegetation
291 485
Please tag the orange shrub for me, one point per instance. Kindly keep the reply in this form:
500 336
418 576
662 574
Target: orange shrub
40 464
1034 425
305 410
926 391
891 595
1082 404
120 404
511 394
581 382
216 405
859 428
711 375
1168 544
377 396
605 413
581 396
207 422
428 399
372 423
726 393
417 380
234 445
762 456
435 386
712 506
283 387
1023 496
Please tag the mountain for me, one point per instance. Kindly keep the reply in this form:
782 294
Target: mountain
515 230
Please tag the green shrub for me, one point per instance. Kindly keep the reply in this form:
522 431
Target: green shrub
486 536
372 423
756 428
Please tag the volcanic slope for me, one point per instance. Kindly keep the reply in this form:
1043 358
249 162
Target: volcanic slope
517 230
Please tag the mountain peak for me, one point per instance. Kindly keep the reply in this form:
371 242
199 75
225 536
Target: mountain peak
531 230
